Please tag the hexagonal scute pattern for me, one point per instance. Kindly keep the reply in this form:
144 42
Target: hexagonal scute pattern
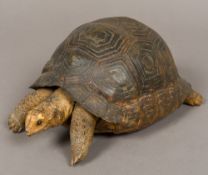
107 65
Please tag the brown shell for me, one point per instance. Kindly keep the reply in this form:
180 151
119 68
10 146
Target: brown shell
109 66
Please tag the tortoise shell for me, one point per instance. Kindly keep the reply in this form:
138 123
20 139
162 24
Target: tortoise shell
112 67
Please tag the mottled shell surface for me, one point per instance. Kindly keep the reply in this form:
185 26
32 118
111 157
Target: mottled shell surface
109 65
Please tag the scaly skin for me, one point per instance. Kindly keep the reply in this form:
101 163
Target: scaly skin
81 133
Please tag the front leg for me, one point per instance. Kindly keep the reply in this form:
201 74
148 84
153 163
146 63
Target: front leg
81 133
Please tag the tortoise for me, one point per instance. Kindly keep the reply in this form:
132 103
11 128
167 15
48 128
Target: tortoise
113 75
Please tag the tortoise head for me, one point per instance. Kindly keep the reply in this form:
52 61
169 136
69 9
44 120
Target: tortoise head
35 123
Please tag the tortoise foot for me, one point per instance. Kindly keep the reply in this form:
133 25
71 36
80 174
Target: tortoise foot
194 99
15 125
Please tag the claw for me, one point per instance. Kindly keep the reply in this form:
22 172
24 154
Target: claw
75 160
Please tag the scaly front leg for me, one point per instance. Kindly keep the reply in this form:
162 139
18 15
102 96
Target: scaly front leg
81 133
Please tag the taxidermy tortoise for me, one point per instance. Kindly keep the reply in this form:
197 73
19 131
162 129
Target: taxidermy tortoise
113 75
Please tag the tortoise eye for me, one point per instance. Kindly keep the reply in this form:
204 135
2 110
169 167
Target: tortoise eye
39 122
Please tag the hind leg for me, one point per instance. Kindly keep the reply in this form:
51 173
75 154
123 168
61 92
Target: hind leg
194 99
